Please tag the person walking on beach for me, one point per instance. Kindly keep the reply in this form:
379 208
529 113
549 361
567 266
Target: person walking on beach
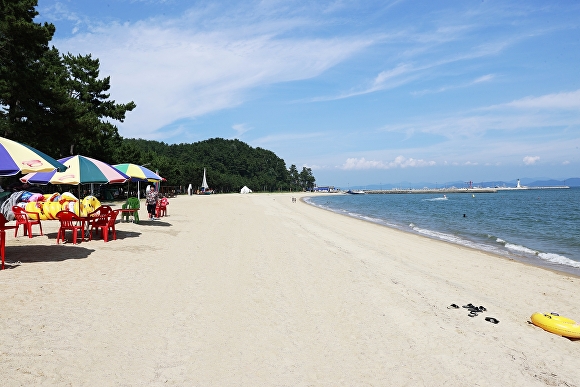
151 200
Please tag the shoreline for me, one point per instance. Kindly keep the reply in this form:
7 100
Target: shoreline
246 290
556 268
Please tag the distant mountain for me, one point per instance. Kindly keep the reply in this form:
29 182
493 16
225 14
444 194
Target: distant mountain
574 182
530 182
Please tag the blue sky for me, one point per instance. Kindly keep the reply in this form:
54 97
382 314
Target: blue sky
362 92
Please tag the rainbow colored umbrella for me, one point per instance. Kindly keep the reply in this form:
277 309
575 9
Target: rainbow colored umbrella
16 157
138 172
81 170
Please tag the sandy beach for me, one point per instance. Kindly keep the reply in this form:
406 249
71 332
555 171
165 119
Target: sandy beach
255 290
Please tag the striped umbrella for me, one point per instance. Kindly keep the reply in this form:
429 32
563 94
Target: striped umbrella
16 157
81 170
138 173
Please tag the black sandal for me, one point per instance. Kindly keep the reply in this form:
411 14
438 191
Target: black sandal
492 320
453 306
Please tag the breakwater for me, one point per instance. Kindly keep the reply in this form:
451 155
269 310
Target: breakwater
431 191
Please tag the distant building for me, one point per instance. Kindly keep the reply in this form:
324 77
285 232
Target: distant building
328 188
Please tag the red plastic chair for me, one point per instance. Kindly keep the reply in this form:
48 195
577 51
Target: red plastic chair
161 208
98 217
70 221
100 213
105 224
3 222
27 220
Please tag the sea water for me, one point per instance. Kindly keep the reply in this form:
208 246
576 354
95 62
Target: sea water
541 227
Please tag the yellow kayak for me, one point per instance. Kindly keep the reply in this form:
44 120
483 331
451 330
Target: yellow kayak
559 325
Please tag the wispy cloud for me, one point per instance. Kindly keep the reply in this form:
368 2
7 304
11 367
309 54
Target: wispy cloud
285 138
523 114
422 66
557 101
59 11
398 162
482 79
240 129
174 70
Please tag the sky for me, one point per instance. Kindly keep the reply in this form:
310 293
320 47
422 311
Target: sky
361 92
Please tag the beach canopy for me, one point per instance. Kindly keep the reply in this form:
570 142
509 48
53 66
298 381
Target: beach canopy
81 170
245 190
138 172
16 157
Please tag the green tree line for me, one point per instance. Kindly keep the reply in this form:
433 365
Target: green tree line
230 164
59 104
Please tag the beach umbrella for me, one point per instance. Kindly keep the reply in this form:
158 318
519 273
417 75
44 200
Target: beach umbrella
138 173
81 170
16 157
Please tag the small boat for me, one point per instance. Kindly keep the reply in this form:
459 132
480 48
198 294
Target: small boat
359 192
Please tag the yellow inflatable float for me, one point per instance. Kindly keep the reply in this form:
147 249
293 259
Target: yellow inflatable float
557 324
54 203
88 205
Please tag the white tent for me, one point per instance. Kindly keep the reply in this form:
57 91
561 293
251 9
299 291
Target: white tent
245 190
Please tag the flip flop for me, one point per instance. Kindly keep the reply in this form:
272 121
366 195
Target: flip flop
453 306
482 308
469 306
472 314
492 320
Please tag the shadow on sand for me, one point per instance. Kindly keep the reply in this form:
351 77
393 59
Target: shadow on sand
43 253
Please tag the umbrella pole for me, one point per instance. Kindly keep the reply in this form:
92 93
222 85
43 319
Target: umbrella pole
138 191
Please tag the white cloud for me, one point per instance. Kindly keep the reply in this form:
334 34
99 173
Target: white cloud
284 138
314 166
551 111
425 68
174 71
240 129
484 78
566 162
530 160
558 101
398 162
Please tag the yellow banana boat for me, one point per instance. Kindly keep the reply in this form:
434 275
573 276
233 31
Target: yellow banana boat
559 325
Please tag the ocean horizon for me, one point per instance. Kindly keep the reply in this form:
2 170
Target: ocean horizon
538 227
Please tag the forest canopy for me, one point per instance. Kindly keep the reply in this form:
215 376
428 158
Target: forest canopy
230 165
59 104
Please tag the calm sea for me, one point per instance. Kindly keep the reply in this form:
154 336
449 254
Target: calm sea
541 227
